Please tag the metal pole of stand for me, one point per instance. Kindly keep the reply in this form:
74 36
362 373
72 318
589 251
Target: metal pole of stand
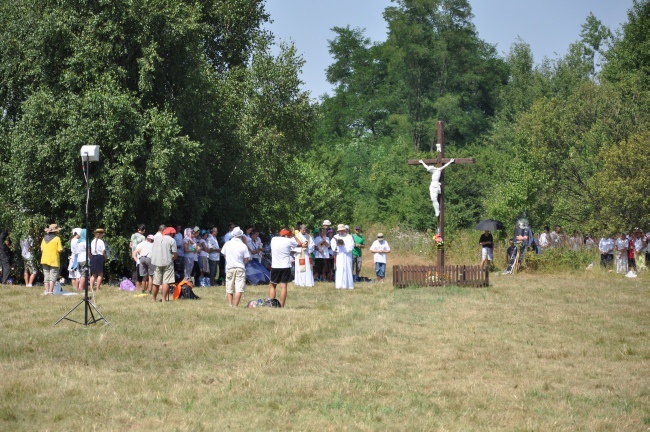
88 306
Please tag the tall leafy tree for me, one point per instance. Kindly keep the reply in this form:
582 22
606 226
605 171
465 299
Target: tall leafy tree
630 52
174 92
445 71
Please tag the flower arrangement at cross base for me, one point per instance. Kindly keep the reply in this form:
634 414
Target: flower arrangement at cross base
437 239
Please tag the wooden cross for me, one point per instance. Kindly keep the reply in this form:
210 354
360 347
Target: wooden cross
440 161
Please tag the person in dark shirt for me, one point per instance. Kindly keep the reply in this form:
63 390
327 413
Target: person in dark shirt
5 255
487 246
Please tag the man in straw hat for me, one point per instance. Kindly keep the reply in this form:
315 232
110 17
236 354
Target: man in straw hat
51 249
342 245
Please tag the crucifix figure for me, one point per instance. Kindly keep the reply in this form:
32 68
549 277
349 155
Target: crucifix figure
437 187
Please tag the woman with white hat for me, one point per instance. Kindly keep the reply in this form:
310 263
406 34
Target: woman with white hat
342 245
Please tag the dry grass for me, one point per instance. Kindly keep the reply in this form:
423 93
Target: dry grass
561 353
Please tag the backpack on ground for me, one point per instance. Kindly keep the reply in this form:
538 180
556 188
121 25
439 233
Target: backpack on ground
269 302
184 291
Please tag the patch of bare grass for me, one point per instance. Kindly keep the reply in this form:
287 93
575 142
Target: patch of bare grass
552 352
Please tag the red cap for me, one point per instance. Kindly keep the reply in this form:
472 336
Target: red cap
169 231
285 232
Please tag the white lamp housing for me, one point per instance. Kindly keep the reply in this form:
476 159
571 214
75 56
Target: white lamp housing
91 152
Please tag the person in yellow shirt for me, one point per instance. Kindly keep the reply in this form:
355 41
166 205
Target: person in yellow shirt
51 249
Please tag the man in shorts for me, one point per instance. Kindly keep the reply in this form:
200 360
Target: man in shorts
237 256
487 246
281 247
163 256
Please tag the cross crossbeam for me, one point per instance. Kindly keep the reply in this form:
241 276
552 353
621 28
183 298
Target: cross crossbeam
461 161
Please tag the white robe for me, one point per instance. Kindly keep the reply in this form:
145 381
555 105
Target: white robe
344 274
621 256
304 278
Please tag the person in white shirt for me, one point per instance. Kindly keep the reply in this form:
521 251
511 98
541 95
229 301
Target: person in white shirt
214 255
544 239
228 235
304 275
620 246
606 249
237 256
321 255
73 273
379 249
159 233
342 245
97 258
142 254
281 247
82 263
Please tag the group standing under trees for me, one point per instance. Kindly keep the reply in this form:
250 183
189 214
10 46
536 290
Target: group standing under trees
206 123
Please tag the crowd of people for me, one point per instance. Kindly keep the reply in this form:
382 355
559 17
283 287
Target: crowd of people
625 253
198 255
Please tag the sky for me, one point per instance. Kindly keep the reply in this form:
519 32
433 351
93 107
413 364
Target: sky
549 27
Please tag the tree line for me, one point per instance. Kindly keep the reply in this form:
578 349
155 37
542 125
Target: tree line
200 121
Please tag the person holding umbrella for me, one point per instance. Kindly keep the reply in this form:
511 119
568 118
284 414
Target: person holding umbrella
487 245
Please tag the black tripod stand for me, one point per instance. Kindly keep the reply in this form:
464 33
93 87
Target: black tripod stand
89 316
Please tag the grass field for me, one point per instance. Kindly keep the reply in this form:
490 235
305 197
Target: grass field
530 353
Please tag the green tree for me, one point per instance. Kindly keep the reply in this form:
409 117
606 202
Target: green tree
622 189
443 70
630 51
174 92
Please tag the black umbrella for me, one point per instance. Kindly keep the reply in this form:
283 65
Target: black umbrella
489 224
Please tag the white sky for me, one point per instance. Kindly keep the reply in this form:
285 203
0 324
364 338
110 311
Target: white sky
547 26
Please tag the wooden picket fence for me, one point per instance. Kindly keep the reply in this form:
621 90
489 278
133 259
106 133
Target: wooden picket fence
473 276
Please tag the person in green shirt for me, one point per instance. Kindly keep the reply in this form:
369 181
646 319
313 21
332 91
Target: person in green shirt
359 243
